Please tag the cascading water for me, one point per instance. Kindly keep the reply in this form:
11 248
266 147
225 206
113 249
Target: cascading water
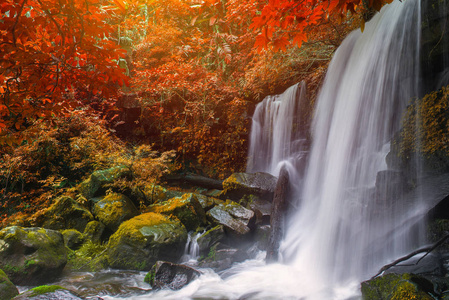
343 230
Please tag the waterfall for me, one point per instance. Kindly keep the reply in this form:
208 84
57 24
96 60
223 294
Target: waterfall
276 135
339 232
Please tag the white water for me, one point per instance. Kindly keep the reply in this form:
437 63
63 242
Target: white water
338 236
192 249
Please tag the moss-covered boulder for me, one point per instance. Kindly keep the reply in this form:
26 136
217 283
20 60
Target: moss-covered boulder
89 257
239 185
211 237
48 292
186 208
32 255
65 213
94 185
94 231
73 239
236 219
169 275
397 287
114 209
208 202
7 289
145 239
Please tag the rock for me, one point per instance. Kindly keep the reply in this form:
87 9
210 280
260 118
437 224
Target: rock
169 275
395 286
94 231
65 213
7 289
240 184
211 237
48 292
236 219
186 208
73 239
262 236
145 239
98 179
156 193
208 202
113 210
390 185
32 255
221 257
262 210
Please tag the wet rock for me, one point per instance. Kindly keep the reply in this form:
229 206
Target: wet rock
113 210
48 292
208 202
211 237
222 257
145 239
32 255
7 289
65 213
397 286
169 275
239 185
262 210
236 219
73 239
94 231
98 179
262 236
186 208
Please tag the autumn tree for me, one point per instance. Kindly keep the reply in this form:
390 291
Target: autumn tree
55 57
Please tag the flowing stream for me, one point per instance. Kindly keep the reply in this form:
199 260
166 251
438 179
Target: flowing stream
341 231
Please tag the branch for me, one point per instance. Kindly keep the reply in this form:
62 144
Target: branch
426 249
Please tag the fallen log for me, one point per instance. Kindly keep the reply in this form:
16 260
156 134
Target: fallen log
195 180
426 249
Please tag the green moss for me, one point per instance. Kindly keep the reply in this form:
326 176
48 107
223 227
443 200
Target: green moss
149 278
43 289
89 257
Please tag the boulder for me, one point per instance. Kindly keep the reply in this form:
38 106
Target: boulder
397 286
32 255
262 210
94 185
48 292
7 289
239 185
186 208
236 219
94 231
211 237
65 213
145 239
73 239
221 257
113 210
169 275
208 202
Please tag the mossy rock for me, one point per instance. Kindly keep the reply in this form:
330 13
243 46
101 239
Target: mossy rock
155 193
32 255
65 213
73 239
98 179
396 287
89 257
94 231
114 209
208 202
237 220
211 237
186 208
145 239
239 185
48 292
7 289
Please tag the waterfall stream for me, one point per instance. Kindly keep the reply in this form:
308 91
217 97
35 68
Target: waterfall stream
342 231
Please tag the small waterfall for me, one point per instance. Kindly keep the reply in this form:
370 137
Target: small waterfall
276 133
192 249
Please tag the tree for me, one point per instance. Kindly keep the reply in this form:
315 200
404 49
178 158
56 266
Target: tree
55 56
